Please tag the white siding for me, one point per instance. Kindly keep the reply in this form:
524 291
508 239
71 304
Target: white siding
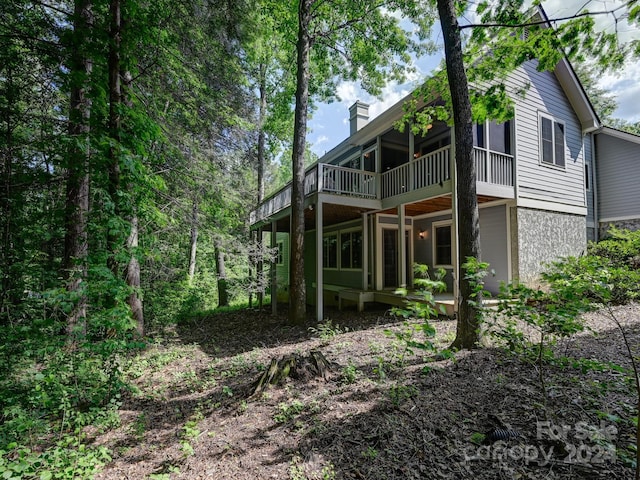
618 168
536 181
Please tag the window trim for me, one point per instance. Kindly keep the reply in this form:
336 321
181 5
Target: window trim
434 227
554 121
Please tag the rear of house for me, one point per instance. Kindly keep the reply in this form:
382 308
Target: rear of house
383 200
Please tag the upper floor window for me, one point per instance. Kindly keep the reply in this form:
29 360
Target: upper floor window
369 159
552 151
495 136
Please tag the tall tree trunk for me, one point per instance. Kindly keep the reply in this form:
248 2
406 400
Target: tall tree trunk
297 288
262 136
115 99
132 278
468 328
6 260
223 294
193 243
132 275
119 86
77 201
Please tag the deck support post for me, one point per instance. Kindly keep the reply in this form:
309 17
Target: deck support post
274 275
412 148
402 250
365 252
319 265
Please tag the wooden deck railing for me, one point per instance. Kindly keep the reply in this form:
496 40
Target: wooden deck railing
421 172
493 167
430 169
347 181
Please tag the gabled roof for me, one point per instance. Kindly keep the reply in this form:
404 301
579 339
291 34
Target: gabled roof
564 72
621 134
574 90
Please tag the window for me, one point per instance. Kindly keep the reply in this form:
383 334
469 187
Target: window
351 249
369 159
587 177
500 137
330 251
494 136
351 162
442 244
478 135
551 141
280 253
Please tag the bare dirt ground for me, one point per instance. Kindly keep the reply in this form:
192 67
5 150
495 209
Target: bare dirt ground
383 414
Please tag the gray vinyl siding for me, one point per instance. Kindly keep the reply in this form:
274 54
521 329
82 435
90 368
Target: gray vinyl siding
423 248
591 214
618 165
535 180
494 245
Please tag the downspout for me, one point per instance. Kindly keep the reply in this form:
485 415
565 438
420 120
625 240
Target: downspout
594 187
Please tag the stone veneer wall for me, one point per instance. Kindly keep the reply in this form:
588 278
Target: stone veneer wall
542 237
633 224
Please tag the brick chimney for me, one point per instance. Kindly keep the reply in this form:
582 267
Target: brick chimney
358 116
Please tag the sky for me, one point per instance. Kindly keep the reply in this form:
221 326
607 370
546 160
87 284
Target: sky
329 124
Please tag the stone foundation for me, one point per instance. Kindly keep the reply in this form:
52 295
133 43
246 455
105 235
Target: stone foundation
543 237
633 224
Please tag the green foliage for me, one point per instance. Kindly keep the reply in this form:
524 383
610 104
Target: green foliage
288 411
421 304
327 331
552 314
597 279
621 247
350 373
68 459
400 393
477 438
50 392
190 433
474 272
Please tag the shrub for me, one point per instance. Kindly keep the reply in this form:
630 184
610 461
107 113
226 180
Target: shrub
622 248
599 279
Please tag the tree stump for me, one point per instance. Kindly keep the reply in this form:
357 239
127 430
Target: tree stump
298 367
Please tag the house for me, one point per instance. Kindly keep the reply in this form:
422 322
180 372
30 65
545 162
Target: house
547 181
